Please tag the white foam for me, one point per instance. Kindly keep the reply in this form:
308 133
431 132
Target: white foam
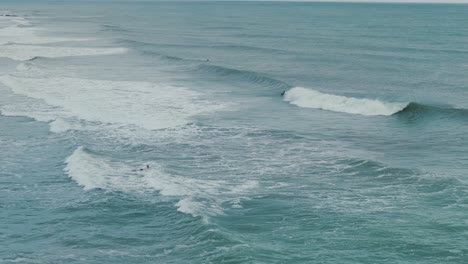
308 98
12 18
29 107
92 172
21 21
143 104
60 125
196 197
28 35
27 52
24 66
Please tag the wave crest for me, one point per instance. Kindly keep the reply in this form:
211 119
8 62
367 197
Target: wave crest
308 98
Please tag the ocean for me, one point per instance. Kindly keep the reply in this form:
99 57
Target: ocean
156 132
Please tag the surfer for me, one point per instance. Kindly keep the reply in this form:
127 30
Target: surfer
147 167
283 93
142 169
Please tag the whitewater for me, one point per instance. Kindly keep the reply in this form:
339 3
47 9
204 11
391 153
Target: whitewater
233 132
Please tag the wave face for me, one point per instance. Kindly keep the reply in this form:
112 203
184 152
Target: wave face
308 98
143 104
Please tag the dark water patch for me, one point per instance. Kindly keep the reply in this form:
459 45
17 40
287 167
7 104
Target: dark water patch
225 28
258 36
143 224
250 48
113 28
163 57
142 44
36 58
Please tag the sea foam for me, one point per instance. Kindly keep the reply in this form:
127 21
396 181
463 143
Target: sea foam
28 35
308 98
146 105
195 196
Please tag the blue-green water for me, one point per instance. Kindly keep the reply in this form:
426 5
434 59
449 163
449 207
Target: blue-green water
364 159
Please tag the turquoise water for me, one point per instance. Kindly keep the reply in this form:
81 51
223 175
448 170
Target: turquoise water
364 159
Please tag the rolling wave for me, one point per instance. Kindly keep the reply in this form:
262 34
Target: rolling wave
203 65
162 56
308 98
139 44
416 111
113 28
249 76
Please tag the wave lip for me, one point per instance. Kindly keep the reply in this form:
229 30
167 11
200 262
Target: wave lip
309 98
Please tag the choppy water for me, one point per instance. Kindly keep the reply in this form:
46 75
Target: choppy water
364 160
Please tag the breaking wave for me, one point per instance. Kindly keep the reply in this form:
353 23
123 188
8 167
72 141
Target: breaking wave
308 98
196 197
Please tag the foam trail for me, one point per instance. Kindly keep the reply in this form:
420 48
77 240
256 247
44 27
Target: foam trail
28 35
195 197
97 172
28 52
142 104
308 98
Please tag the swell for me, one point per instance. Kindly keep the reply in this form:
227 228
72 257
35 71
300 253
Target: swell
113 28
204 66
142 44
249 76
418 112
36 58
234 47
163 57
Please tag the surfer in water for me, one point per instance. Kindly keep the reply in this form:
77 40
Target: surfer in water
147 168
142 169
283 93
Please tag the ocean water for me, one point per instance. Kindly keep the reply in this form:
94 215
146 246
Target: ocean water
363 160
